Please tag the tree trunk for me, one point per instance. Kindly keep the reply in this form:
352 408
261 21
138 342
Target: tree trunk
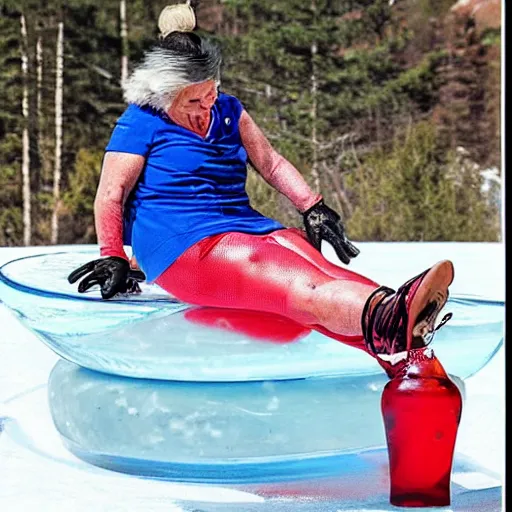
39 85
45 176
124 41
58 134
25 159
314 108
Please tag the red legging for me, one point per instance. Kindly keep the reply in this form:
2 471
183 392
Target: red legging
280 273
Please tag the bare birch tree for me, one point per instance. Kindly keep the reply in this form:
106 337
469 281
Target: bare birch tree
25 159
59 72
124 41
41 138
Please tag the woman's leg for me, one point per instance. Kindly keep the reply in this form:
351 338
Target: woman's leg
275 273
278 273
296 240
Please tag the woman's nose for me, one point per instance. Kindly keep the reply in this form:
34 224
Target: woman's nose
207 103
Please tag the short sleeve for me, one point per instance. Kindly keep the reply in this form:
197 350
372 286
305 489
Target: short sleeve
133 132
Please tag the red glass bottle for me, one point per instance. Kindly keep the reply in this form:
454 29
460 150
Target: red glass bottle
421 408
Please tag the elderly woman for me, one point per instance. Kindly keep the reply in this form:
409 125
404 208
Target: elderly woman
173 187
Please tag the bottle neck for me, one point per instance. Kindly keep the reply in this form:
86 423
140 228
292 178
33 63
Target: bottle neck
422 364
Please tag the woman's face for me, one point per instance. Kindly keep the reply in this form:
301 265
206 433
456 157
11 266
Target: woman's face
191 108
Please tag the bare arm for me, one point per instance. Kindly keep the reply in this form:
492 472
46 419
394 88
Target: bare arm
119 174
273 167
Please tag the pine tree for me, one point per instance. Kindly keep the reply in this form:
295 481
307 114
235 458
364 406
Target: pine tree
11 126
333 83
326 81
99 45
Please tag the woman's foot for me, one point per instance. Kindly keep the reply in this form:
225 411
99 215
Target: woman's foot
396 322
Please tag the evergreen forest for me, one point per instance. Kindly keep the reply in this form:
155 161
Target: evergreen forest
391 109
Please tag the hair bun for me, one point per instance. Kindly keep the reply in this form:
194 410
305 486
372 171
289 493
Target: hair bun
176 18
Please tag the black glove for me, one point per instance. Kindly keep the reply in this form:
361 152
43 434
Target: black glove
323 223
113 274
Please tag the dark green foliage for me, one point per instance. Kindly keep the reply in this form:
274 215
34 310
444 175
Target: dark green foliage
79 199
415 192
11 125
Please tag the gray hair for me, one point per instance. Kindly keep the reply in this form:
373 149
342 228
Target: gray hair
165 70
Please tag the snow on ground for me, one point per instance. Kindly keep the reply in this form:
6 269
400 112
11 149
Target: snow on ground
36 472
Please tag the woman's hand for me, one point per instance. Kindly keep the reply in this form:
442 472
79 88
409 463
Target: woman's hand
112 274
323 223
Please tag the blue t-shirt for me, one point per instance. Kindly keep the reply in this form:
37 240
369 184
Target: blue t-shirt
190 187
